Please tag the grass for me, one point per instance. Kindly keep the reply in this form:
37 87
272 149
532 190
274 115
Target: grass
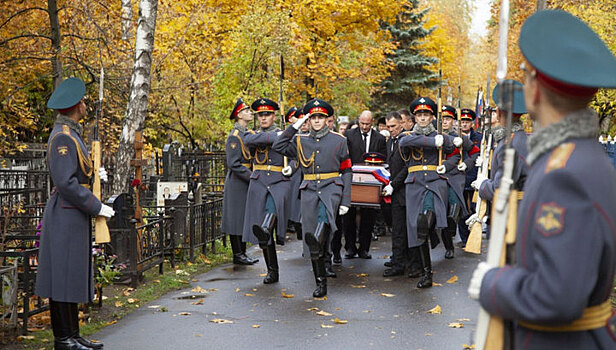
122 300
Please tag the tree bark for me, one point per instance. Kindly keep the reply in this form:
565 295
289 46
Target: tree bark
139 92
127 14
56 64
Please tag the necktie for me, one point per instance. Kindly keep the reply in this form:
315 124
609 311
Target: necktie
394 144
365 141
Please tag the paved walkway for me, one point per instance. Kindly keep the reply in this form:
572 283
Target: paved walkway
379 312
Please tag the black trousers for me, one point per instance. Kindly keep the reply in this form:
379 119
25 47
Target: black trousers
462 228
400 257
366 225
337 236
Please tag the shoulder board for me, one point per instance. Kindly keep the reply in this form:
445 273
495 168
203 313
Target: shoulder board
251 132
406 133
236 133
336 133
559 157
66 129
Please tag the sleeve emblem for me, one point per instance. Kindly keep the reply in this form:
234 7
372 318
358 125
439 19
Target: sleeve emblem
62 150
551 219
233 145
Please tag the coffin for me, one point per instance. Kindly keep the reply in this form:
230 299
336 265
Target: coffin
366 188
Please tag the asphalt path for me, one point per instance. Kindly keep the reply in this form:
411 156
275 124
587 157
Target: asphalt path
230 308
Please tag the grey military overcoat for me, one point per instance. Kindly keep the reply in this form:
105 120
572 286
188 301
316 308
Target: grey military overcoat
65 250
236 182
455 177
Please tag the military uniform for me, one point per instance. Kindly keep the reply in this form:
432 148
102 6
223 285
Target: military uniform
296 180
64 272
268 192
558 292
324 159
236 187
426 191
471 174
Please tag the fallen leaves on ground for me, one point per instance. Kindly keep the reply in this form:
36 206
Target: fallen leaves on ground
198 289
463 319
436 310
255 326
221 321
456 325
285 295
323 313
326 326
313 309
262 274
453 279
25 337
156 281
181 272
468 347
184 313
198 335
119 304
249 294
237 290
198 302
358 286
362 275
339 321
437 284
212 290
132 300
111 322
323 298
387 295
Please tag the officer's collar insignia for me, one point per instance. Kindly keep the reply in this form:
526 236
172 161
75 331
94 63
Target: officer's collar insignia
316 103
62 150
233 145
551 219
422 100
559 157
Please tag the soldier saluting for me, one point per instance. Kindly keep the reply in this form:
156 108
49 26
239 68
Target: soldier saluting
65 252
236 183
558 291
326 189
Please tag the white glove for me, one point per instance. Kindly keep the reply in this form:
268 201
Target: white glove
385 133
343 210
438 141
477 183
102 174
474 288
471 219
388 190
287 171
601 140
462 167
479 162
106 211
279 133
298 124
441 169
457 141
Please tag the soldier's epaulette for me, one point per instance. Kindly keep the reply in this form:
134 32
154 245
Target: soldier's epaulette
337 133
66 129
405 133
559 157
252 132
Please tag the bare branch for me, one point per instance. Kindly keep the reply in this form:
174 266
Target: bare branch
4 42
21 12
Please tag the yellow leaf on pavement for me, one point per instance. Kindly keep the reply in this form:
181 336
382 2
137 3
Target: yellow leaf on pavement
313 309
221 321
453 279
255 326
387 295
463 319
468 347
198 289
436 310
132 300
198 302
184 313
285 295
249 294
119 304
437 284
456 325
339 321
326 326
323 298
237 290
262 274
362 275
323 313
111 322
358 286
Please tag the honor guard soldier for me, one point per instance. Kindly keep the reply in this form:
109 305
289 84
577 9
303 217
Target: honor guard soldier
326 189
65 252
269 188
519 141
456 178
426 186
558 292
296 180
467 118
236 183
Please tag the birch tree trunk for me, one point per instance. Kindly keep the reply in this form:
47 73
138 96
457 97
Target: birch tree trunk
139 91
127 16
56 64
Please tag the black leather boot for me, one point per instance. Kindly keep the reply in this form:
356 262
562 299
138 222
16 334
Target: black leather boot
249 258
298 230
264 232
329 272
318 239
272 264
74 310
448 233
318 267
239 258
426 279
62 324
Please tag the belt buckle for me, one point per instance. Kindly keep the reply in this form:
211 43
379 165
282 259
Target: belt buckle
269 167
318 176
425 167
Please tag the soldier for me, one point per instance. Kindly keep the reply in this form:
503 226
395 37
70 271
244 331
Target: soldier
518 139
558 291
236 183
426 186
65 252
326 189
456 177
269 189
293 114
467 118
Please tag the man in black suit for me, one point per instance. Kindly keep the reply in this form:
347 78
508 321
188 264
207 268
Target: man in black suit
361 140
